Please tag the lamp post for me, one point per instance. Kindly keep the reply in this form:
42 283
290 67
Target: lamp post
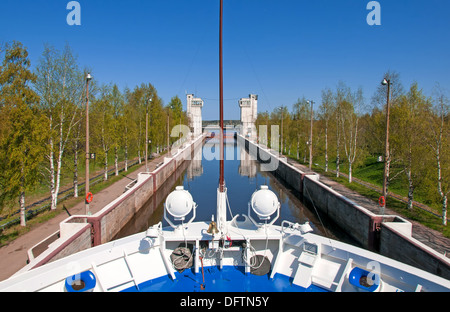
87 201
387 159
146 134
311 135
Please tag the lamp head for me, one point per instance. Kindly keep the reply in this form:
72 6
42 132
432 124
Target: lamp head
88 77
385 82
264 202
179 203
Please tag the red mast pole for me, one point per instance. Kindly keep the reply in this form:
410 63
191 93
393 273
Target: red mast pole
221 182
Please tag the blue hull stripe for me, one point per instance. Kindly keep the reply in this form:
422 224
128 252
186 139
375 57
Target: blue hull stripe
229 279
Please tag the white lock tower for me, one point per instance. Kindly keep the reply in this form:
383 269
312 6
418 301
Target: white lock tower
194 112
249 111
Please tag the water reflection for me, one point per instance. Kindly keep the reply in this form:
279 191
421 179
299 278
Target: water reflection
195 168
200 176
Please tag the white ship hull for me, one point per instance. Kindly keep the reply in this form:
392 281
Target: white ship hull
298 262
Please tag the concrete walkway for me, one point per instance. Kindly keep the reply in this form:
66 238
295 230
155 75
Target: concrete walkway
13 256
425 235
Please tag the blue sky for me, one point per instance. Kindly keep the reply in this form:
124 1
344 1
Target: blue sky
278 49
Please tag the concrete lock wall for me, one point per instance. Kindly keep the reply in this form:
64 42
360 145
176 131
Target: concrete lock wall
391 236
141 218
78 233
355 219
74 236
397 243
111 219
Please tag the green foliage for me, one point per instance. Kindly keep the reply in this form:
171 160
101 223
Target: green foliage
60 85
177 108
419 137
102 125
42 122
21 131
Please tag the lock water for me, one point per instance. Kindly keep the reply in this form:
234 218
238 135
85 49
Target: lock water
200 176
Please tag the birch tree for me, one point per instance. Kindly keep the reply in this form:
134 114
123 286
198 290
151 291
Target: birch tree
438 141
325 112
136 117
59 83
128 125
176 106
350 123
407 137
301 115
76 149
340 97
117 104
102 131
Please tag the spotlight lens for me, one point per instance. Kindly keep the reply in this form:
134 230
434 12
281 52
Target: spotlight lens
179 203
264 202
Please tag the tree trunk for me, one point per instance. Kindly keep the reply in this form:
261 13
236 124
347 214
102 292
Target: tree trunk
337 165
58 170
23 220
139 142
337 159
75 170
126 157
350 178
440 190
410 198
126 149
439 170
304 154
410 189
106 166
116 160
75 161
52 173
444 209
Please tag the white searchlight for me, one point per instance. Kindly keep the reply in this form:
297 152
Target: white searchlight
179 204
264 204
